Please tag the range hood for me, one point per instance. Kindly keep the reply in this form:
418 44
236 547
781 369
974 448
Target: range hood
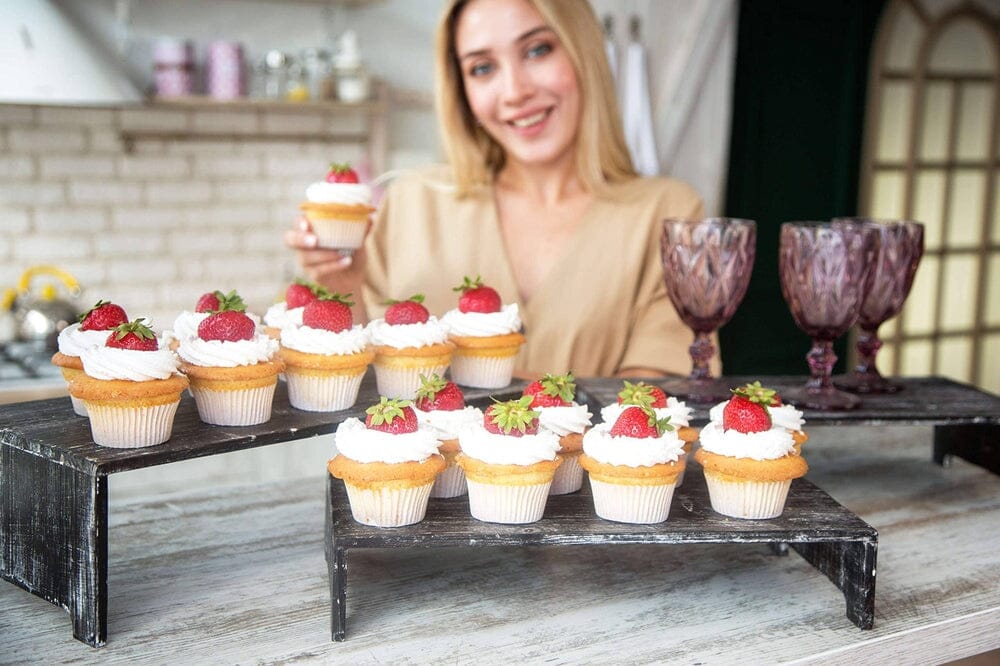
45 59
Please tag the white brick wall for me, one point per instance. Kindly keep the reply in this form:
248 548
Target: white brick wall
156 226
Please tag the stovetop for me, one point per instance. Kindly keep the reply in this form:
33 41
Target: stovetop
21 361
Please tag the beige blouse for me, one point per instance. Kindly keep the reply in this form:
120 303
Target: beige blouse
603 306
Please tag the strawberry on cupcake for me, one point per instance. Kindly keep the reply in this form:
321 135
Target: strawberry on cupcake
338 207
509 463
288 313
130 386
553 397
408 342
441 406
91 330
487 336
388 464
187 322
633 465
649 395
326 356
750 451
231 365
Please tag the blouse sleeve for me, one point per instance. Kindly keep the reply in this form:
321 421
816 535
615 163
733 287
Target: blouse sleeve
659 340
376 270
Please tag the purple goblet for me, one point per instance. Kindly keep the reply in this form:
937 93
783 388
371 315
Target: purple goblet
901 245
825 274
706 267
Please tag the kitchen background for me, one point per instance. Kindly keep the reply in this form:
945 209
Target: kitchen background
152 203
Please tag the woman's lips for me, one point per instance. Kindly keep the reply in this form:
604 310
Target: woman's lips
530 124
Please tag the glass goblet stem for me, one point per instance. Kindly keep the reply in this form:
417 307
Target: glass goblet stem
701 351
821 359
868 345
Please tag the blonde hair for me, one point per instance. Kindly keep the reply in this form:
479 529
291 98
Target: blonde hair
602 155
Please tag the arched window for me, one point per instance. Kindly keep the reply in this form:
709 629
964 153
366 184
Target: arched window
931 153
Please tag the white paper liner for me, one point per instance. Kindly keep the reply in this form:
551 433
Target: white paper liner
234 408
482 371
680 477
632 504
450 482
568 477
507 504
314 393
131 427
78 406
388 507
339 233
747 499
403 383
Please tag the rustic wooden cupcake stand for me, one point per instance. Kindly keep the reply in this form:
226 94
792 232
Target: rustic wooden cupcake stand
54 496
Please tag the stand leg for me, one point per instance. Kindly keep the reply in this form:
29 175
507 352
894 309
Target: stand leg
54 537
850 565
779 548
336 563
978 443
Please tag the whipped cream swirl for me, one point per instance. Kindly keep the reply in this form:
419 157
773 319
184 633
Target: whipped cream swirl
226 353
309 340
401 336
348 194
447 423
768 445
280 316
679 413
564 420
602 446
483 324
489 447
72 340
110 363
359 443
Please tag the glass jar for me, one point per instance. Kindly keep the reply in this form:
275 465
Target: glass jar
319 73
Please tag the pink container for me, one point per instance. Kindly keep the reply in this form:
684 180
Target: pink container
224 70
173 65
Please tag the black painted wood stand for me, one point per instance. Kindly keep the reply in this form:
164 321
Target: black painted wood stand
54 479
827 535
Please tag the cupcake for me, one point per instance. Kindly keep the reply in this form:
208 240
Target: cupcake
509 463
749 456
131 388
288 313
486 335
649 395
553 398
325 357
338 208
91 331
633 464
408 342
388 464
441 406
232 366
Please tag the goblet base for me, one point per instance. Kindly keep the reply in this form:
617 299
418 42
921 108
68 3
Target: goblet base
822 399
864 382
709 390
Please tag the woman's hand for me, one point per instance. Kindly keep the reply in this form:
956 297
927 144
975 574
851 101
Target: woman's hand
343 273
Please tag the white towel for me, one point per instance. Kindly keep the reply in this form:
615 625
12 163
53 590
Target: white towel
637 116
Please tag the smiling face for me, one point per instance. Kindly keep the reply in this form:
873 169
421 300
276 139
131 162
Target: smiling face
519 81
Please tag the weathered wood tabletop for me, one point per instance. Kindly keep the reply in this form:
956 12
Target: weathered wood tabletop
211 576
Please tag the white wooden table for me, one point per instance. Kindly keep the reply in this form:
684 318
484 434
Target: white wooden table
239 575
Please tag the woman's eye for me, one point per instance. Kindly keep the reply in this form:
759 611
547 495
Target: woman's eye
480 69
539 50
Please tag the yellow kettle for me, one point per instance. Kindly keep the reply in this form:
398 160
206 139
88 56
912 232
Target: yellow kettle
41 313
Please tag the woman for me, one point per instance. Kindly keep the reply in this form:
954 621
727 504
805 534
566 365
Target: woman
540 199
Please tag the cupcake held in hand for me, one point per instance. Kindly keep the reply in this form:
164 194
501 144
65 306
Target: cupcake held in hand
509 463
633 464
553 398
338 207
388 464
749 459
131 388
441 406
326 357
408 342
487 336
